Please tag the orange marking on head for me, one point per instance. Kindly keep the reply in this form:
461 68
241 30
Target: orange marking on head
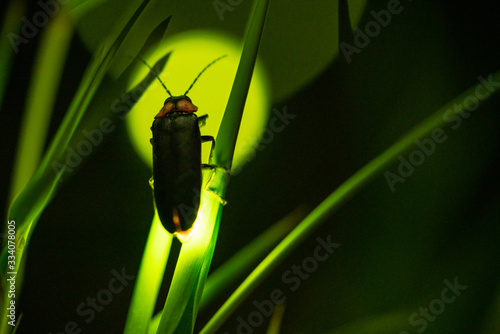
186 105
167 108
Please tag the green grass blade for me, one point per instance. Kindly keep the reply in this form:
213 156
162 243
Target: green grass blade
85 93
243 260
335 200
10 29
181 306
192 266
32 200
41 98
228 131
276 320
491 323
149 278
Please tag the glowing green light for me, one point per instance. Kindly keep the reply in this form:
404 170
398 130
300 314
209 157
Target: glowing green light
191 52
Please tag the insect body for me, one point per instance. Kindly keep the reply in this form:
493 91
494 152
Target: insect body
177 161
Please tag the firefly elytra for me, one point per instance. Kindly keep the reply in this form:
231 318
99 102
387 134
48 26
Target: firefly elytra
177 167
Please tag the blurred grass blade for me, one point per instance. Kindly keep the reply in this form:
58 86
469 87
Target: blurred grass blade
32 200
336 199
85 93
149 279
41 97
394 322
10 29
228 131
228 273
345 25
491 323
276 319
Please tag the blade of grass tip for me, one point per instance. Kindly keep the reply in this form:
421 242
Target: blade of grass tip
276 319
149 278
237 265
78 8
228 131
345 191
8 44
41 98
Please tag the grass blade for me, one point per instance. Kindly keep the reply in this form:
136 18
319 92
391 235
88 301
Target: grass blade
149 278
335 200
237 265
276 319
10 28
27 207
190 273
228 131
181 306
41 98
393 322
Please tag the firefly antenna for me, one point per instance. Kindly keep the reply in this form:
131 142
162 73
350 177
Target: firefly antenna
213 62
157 76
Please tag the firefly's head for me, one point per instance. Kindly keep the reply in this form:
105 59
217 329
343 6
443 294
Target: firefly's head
181 104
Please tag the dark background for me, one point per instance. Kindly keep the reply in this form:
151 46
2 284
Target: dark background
396 248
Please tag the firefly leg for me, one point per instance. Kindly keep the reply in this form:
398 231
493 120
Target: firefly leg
202 120
204 139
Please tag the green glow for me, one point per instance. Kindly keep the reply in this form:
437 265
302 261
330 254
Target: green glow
193 262
149 278
192 51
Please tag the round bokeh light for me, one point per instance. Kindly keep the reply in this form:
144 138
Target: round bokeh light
191 53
